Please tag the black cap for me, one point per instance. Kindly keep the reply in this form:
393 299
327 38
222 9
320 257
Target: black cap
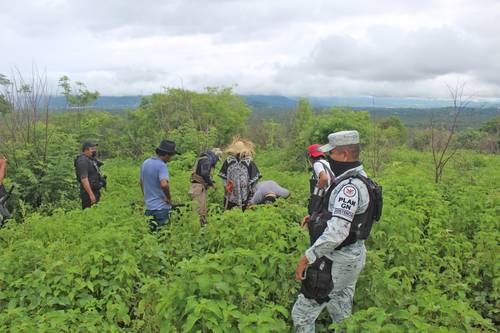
88 144
167 147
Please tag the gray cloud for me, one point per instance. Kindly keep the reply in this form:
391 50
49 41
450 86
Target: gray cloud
389 55
390 47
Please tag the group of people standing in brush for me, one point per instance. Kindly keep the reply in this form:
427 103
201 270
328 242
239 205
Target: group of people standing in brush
343 205
239 173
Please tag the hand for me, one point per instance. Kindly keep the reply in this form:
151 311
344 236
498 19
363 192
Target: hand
93 200
301 267
167 200
229 187
304 221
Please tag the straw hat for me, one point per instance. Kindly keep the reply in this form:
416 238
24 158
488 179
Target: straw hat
242 147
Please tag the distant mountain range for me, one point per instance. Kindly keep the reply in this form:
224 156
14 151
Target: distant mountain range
276 102
102 102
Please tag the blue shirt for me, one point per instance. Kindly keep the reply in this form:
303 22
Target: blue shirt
153 170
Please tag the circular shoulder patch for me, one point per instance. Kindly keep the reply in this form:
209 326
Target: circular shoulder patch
349 191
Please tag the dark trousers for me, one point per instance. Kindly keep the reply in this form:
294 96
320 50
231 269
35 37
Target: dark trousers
158 219
86 203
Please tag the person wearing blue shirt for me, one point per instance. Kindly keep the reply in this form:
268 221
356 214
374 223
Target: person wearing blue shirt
155 184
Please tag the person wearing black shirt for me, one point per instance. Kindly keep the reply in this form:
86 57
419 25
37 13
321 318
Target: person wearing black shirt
201 180
89 175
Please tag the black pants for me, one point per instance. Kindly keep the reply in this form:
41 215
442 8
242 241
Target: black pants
86 203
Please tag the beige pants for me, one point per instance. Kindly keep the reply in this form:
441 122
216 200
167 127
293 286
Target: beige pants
199 195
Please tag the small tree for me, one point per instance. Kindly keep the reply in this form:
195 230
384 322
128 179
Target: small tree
300 135
77 96
377 149
442 146
23 102
4 103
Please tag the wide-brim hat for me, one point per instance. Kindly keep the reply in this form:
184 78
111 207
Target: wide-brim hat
168 147
241 147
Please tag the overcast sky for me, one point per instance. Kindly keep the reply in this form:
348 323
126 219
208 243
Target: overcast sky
311 48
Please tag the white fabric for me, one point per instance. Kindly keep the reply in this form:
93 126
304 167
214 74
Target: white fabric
323 165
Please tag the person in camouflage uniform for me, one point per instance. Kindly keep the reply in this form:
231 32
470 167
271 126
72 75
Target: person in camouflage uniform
349 198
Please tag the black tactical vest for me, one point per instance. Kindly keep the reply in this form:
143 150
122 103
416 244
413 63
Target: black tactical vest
361 224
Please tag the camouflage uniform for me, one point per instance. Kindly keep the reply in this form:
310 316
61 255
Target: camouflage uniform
350 197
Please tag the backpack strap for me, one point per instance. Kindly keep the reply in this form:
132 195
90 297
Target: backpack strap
329 171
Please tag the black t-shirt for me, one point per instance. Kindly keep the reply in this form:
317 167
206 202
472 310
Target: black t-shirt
87 167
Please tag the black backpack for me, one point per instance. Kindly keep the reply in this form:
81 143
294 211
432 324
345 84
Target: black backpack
374 210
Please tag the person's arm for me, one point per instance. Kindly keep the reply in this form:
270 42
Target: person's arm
164 178
141 183
83 171
3 168
86 186
323 180
166 190
322 174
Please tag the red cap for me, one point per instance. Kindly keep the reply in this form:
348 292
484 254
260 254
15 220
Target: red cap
312 150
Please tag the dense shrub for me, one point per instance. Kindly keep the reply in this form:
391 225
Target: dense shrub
432 262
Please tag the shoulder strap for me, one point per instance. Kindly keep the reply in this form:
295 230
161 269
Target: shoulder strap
347 175
328 170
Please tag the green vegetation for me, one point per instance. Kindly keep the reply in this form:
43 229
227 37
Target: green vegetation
433 259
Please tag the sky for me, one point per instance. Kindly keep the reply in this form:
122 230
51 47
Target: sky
414 48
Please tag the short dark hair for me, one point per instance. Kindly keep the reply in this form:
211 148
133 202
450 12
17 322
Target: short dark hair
317 158
161 153
89 144
353 150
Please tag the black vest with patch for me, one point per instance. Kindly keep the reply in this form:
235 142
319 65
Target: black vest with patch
318 283
361 224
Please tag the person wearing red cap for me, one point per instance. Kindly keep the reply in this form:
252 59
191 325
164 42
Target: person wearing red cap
321 180
322 176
